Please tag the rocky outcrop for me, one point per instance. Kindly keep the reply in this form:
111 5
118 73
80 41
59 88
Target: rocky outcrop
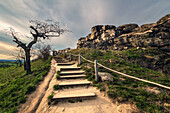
129 36
63 51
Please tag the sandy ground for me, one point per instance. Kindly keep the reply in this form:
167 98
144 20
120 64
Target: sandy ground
35 98
37 102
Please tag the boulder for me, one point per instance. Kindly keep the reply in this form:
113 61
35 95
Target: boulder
105 76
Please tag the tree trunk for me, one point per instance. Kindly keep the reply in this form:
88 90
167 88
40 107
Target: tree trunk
28 65
24 64
20 63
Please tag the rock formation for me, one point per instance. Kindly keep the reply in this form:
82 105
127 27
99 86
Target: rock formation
129 36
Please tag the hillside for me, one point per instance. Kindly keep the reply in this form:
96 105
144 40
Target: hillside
147 98
15 85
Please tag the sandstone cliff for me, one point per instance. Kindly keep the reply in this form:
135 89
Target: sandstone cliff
110 37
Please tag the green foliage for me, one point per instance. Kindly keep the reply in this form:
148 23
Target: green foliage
56 87
15 85
5 64
58 72
58 75
30 88
71 101
50 97
49 103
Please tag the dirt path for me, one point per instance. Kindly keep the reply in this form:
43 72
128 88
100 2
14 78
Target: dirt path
101 104
35 98
37 102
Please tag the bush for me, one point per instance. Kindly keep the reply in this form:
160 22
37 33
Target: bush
50 97
30 88
58 75
56 87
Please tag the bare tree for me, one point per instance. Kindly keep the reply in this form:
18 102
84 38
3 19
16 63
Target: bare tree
38 30
42 51
20 56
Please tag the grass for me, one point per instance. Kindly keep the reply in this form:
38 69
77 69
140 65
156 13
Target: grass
7 64
15 85
124 89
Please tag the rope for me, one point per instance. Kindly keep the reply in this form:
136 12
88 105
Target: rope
134 77
126 74
87 60
75 55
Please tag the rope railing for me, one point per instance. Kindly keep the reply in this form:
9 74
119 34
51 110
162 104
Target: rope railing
126 75
134 77
87 60
75 55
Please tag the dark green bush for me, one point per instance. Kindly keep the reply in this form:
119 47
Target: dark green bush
30 88
50 97
56 87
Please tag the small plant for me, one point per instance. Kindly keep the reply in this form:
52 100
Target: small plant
56 87
58 72
49 103
80 100
50 97
58 75
30 88
71 101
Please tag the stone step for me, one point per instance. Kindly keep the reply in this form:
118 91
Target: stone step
72 76
70 69
78 83
64 64
74 96
71 73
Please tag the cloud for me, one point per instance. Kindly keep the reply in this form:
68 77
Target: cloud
7 49
79 15
4 56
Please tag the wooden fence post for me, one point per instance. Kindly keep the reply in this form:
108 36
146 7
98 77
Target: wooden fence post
70 57
96 70
64 55
79 59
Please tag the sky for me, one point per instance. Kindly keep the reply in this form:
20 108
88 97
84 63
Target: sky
76 15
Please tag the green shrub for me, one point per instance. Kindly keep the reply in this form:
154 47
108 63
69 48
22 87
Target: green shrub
58 75
58 72
56 87
50 97
49 103
30 88
71 101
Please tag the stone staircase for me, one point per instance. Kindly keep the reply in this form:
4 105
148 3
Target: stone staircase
72 82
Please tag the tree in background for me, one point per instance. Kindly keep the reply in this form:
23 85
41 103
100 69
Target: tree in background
20 56
39 30
42 51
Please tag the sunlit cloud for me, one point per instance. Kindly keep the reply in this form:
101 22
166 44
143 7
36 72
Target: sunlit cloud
77 15
4 56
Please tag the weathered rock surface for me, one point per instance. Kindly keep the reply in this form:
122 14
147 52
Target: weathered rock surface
105 76
129 36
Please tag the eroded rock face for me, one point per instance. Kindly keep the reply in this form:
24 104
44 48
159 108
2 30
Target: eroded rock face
129 36
124 29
